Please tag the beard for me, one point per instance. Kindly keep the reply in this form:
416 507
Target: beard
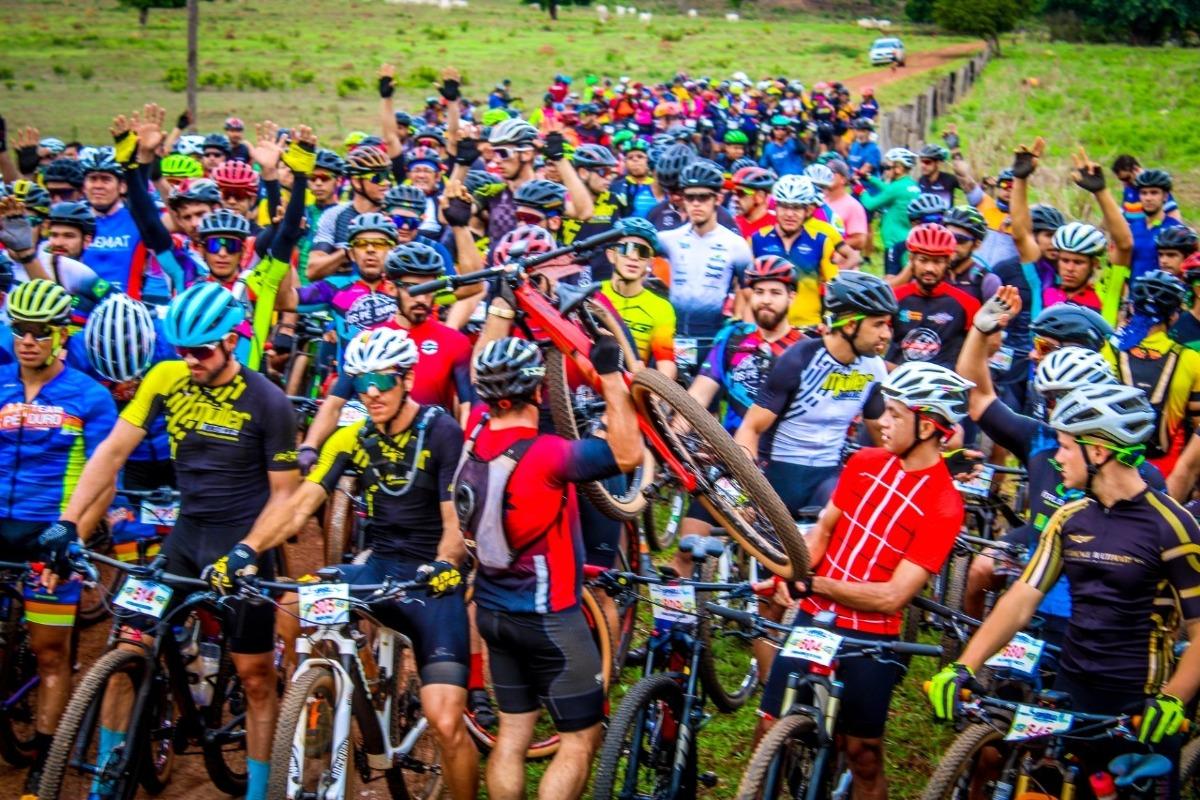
768 318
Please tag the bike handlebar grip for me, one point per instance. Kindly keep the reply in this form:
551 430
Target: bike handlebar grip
429 287
913 649
591 571
741 617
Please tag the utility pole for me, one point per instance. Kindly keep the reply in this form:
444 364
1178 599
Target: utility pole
193 34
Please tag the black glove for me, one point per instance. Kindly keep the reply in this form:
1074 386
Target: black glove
606 355
184 121
1090 178
1023 165
239 563
306 458
27 159
449 90
467 152
457 213
3 135
553 148
57 539
387 87
798 590
442 577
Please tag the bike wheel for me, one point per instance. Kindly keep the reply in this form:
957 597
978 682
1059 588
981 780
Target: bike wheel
339 521
76 758
964 762
18 685
224 742
418 773
730 486
301 754
639 747
728 669
956 588
662 516
1189 771
628 631
783 762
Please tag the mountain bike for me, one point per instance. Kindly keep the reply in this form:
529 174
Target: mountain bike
684 437
18 668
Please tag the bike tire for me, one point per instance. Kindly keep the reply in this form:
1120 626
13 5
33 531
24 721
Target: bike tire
83 710
725 699
740 498
661 536
296 712
419 776
339 520
794 734
956 589
658 697
958 762
1189 771
225 760
628 631
18 673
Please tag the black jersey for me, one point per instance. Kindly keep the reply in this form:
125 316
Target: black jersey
931 327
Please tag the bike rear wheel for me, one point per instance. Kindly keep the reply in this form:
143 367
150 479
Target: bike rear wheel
418 773
1189 771
224 742
18 684
730 486
783 762
728 669
339 521
639 748
960 773
662 516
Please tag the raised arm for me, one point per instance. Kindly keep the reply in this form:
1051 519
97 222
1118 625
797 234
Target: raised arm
1024 164
972 359
387 111
1089 176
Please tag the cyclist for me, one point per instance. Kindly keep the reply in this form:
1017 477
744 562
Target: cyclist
735 142
649 317
672 212
597 167
407 454
528 546
783 153
234 447
1186 329
116 252
1154 187
70 228
967 272
933 180
636 183
1174 243
846 207
752 193
54 418
1123 550
63 179
890 525
370 176
891 199
864 156
235 133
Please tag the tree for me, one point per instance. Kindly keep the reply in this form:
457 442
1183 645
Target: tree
143 7
984 18
919 10
1135 21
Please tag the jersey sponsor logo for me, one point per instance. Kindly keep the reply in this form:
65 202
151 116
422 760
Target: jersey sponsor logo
429 347
941 318
110 242
1079 538
909 315
17 416
370 310
921 344
846 386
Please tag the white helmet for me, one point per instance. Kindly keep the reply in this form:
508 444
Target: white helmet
513 131
901 155
120 338
820 175
929 387
380 350
1120 414
1081 238
189 145
1069 368
797 190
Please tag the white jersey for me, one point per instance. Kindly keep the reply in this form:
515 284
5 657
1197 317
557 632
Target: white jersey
704 270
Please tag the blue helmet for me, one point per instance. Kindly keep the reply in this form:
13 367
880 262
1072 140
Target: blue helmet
203 314
640 228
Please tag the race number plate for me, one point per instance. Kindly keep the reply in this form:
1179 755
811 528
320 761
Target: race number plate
143 597
687 351
1031 722
352 412
673 604
325 604
1021 655
812 644
166 514
980 485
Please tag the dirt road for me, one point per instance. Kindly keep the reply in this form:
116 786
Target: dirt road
916 63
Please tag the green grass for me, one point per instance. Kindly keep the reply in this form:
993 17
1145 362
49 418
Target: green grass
315 62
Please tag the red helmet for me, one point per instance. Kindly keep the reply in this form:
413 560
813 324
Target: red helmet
753 178
536 239
931 239
771 268
236 176
234 124
1190 268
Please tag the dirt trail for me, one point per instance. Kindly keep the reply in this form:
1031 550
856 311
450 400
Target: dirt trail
916 63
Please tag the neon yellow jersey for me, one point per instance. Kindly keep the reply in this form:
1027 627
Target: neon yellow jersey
651 320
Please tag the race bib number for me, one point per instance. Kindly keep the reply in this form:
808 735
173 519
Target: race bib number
166 514
325 604
673 604
351 413
1031 723
1022 655
687 351
812 644
980 485
1002 359
143 597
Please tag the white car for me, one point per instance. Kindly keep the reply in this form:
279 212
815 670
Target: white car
886 51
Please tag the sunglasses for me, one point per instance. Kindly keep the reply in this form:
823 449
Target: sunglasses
505 153
1005 184
230 244
63 194
40 331
377 178
637 249
383 381
406 223
529 218
371 244
699 197
1045 346
931 218
963 238
236 197
747 192
321 176
926 160
602 172
200 353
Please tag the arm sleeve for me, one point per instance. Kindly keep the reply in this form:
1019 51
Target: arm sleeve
336 455
975 196
873 405
145 214
588 460
462 374
1012 431
274 197
714 361
326 227
1043 569
446 444
289 232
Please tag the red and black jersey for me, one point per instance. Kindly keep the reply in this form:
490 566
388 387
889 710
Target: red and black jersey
931 327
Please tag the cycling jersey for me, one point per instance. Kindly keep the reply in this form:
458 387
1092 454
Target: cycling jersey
1145 251
608 208
739 362
1132 569
45 441
1131 202
704 270
115 246
811 252
638 194
502 214
976 280
892 199
333 228
651 320
998 244
931 327
748 228
665 217
224 439
815 397
1186 330
785 159
862 153
1169 374
1083 296
344 297
944 186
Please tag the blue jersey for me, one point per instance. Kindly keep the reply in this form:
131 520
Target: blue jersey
785 159
1145 252
111 252
864 153
45 442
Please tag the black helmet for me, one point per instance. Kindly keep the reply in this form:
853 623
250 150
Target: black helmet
853 292
201 190
1153 179
546 196
64 170
78 215
969 219
593 155
1006 175
927 207
1071 324
330 162
217 141
224 222
35 198
1158 294
702 174
405 196
429 132
935 152
101 160
671 163
508 369
415 258
1177 237
1046 218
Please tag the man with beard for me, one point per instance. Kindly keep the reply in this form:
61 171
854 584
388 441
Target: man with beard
968 227
370 173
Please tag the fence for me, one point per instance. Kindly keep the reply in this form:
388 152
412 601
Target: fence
908 125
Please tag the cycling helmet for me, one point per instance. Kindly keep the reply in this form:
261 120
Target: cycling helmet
929 388
820 175
189 145
483 185
1046 218
741 164
423 155
53 144
662 139
931 239
366 160
35 198
372 222
545 196
771 268
1153 179
177 165
380 350
1177 237
429 132
1005 175
101 160
405 196
1070 367
901 155
536 239
702 174
78 215
201 190
202 314
636 226
516 132
224 222
415 258
754 178
854 293
508 369
680 133
216 141
8 269
671 163
927 208
736 137
1158 294
622 138
120 338
1081 238
797 190
935 152
1118 414
64 170
667 109
862 124
40 300
236 176
968 219
234 124
330 162
1071 324
1191 269
593 155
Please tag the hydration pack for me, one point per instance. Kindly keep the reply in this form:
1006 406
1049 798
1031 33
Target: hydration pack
1153 375
383 472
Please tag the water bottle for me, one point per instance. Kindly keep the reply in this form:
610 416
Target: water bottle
204 671
1003 789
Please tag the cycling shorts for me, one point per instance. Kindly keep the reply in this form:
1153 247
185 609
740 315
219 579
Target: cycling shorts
601 533
868 687
437 626
544 660
55 609
893 259
249 625
799 485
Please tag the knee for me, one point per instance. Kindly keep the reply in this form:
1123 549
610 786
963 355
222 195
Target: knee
447 723
866 757
52 654
980 572
259 683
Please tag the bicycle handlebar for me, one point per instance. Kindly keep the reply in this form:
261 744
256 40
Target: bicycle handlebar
165 493
751 620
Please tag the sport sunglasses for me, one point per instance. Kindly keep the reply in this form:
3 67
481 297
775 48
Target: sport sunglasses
383 381
200 352
40 331
637 249
230 244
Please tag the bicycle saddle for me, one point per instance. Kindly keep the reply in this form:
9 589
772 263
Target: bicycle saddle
1133 767
571 297
687 543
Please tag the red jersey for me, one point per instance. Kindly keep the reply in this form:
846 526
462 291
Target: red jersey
749 228
883 509
442 375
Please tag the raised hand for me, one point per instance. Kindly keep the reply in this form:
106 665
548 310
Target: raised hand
148 127
1025 159
387 80
27 137
301 154
1087 174
266 150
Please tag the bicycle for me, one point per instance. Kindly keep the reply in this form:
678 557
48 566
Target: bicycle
18 668
699 454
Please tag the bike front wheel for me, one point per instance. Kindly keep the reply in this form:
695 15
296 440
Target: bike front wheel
18 685
638 753
783 764
302 753
971 766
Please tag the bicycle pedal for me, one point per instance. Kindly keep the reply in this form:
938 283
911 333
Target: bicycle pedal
709 779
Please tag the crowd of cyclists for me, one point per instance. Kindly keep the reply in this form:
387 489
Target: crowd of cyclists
873 327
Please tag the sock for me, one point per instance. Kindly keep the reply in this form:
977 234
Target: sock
256 786
475 679
41 745
110 740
